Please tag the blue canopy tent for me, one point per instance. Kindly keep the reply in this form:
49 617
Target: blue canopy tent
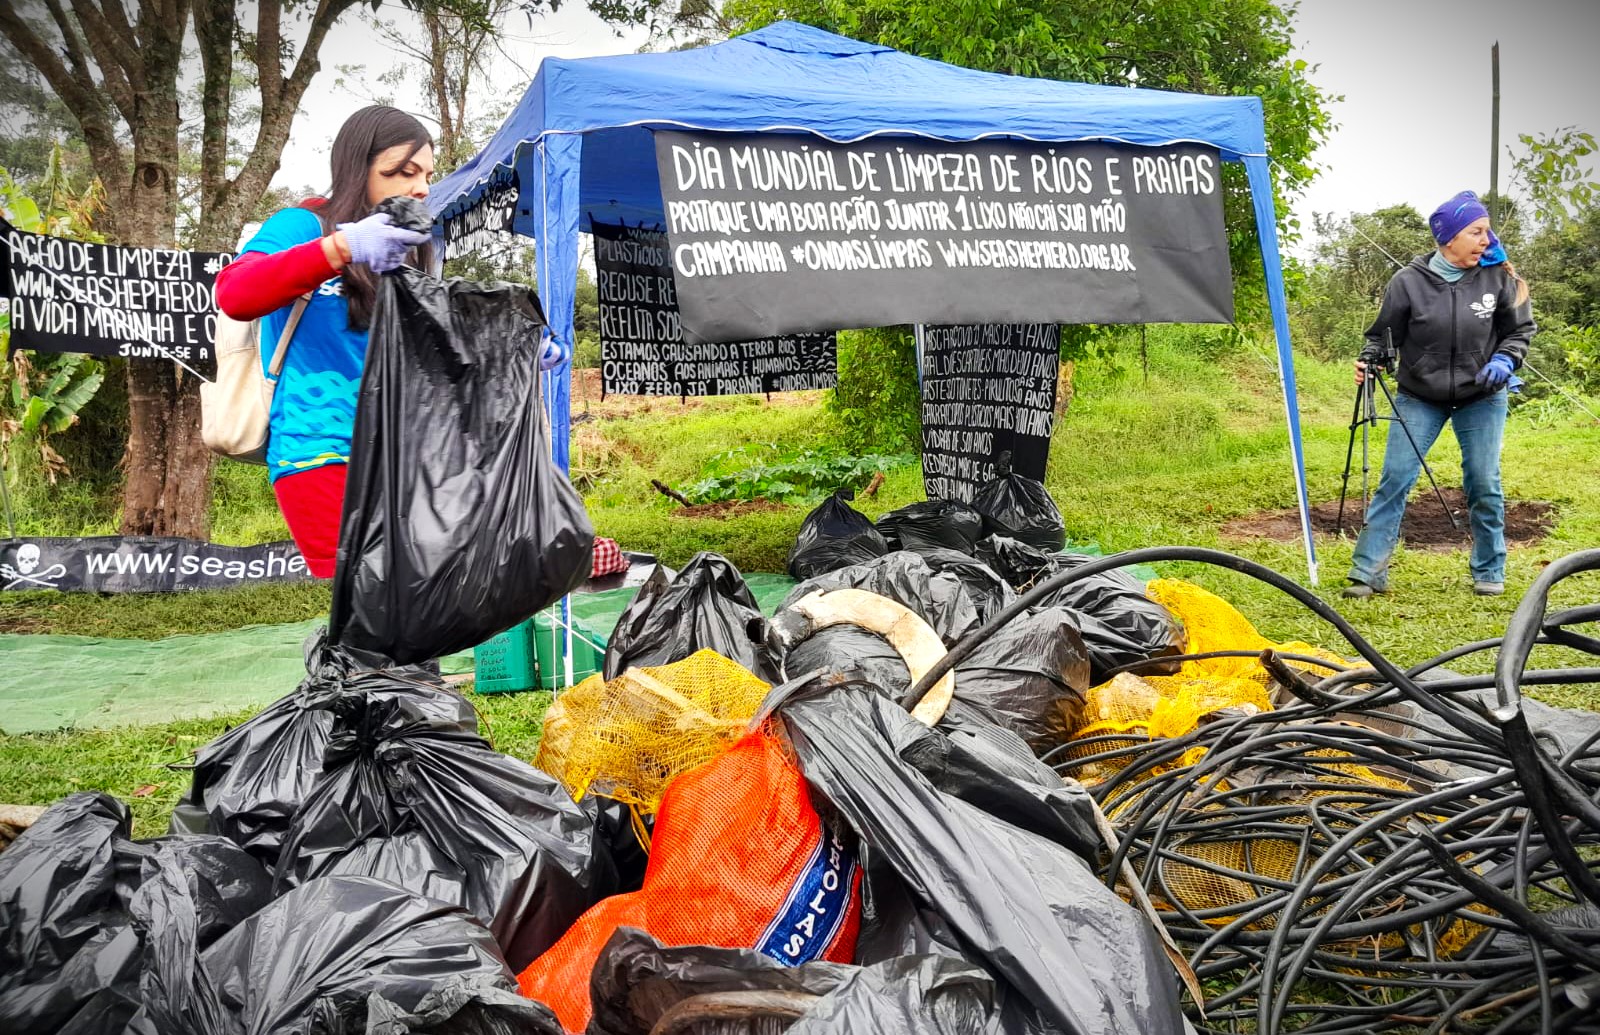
581 148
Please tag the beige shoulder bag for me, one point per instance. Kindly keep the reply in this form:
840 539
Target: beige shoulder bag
234 407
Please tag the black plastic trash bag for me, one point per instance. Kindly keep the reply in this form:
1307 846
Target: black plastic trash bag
457 525
1011 885
71 951
1029 678
908 995
989 592
1017 506
615 828
1119 623
636 981
932 525
833 536
439 813
940 598
707 606
348 956
1015 561
844 650
248 783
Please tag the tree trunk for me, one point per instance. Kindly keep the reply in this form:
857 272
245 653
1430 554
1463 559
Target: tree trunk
166 487
167 475
112 72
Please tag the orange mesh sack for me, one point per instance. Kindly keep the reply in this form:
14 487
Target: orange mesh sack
739 859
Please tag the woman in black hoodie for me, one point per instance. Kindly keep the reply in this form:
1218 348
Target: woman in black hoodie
1460 321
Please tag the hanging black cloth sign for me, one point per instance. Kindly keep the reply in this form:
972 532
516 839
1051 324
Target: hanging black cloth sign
986 389
778 233
486 225
143 564
107 300
643 353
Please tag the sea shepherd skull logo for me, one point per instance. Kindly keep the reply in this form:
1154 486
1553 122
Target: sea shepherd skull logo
26 574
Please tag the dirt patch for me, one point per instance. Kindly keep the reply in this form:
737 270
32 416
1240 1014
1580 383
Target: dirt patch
1425 526
727 509
22 624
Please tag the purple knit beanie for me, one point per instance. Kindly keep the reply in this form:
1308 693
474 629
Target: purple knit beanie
1454 215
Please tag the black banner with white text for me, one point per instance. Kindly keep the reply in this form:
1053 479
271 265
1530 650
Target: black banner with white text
781 233
143 564
986 389
485 226
642 351
108 300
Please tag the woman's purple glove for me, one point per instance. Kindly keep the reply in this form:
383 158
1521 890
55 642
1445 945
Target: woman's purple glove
1495 373
377 243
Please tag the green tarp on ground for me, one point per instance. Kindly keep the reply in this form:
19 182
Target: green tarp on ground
87 681
49 682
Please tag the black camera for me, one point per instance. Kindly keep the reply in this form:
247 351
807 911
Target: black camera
1387 357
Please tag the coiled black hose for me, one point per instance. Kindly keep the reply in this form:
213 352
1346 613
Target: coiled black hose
1468 819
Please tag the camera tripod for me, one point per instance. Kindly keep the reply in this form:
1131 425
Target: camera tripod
1366 417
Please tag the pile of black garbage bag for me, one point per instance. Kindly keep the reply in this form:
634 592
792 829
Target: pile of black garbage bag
957 565
357 858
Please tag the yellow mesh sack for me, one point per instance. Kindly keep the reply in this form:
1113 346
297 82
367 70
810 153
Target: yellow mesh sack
1216 877
1214 624
625 739
1167 706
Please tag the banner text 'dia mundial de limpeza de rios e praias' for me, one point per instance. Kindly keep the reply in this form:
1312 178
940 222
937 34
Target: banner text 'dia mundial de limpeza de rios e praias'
778 233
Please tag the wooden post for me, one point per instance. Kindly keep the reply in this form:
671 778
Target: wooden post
1494 139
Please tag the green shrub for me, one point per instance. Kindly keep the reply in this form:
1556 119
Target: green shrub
586 352
1581 352
878 401
753 541
808 477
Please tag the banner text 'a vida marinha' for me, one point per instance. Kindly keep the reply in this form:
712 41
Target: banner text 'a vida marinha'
778 233
109 300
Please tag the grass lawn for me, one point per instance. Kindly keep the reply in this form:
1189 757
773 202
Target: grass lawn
1132 464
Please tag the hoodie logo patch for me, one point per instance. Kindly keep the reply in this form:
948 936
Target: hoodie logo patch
1484 309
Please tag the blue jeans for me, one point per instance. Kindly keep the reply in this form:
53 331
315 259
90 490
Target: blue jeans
1479 428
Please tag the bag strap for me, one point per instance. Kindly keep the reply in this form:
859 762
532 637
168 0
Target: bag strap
282 351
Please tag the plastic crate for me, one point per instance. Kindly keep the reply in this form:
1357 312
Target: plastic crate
507 663
549 659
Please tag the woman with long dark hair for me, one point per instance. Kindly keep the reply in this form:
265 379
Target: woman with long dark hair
330 250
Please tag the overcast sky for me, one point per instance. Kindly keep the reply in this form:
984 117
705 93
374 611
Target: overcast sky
1414 125
1414 75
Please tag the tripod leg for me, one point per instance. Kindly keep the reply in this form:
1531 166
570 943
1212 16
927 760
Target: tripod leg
1369 421
1349 455
1423 460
